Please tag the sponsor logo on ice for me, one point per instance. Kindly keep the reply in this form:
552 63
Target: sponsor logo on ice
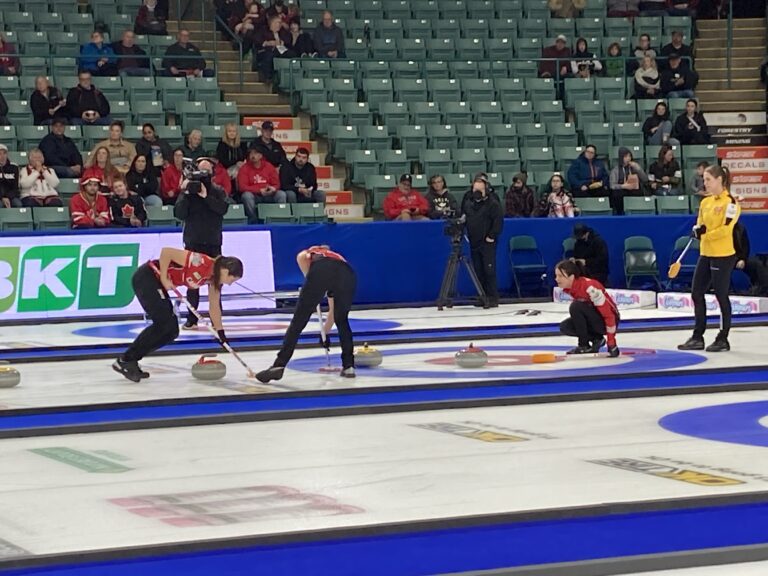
670 472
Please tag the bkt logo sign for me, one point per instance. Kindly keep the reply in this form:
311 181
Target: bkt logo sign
50 278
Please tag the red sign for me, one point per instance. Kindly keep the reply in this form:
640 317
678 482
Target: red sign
280 123
749 167
290 147
324 171
344 197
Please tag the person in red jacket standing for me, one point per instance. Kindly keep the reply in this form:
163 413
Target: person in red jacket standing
594 315
89 208
170 179
405 203
258 182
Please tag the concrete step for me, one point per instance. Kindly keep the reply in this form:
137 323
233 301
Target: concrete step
737 52
251 86
752 43
751 62
247 98
708 83
282 110
718 72
731 106
233 77
758 34
705 25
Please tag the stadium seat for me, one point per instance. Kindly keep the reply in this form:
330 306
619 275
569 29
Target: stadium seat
51 218
673 205
644 205
640 260
594 206
14 219
276 214
526 264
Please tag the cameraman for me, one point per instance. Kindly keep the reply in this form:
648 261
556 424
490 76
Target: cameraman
201 207
485 221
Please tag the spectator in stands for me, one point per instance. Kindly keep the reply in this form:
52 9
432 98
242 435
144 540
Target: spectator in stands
653 7
623 8
89 208
221 178
691 126
753 266
557 201
677 47
764 72
9 180
170 182
251 21
150 20
271 42
298 179
626 179
277 10
126 208
185 59
441 203
591 251
158 152
642 50
697 184
9 58
121 152
657 127
552 68
647 81
329 38
46 102
86 104
665 173
132 60
584 60
270 148
682 8
231 152
37 183
99 165
193 147
484 224
677 81
142 180
587 175
60 151
97 57
566 8
519 199
615 65
258 182
3 111
405 203
230 12
300 43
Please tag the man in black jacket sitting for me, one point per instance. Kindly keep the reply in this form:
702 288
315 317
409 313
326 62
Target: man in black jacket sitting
592 252
60 151
298 179
185 59
132 60
270 148
753 267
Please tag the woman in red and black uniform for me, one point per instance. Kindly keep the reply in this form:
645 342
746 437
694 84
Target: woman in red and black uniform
154 280
326 272
594 315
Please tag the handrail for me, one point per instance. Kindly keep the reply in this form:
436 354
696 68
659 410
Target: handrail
227 30
729 46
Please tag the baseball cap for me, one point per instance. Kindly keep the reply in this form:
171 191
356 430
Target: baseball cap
267 125
406 178
3 147
561 37
674 56
579 230
85 181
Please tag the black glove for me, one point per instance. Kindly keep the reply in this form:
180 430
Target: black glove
613 351
325 343
698 231
222 337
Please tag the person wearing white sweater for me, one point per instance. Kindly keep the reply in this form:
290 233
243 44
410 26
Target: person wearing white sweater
647 79
38 183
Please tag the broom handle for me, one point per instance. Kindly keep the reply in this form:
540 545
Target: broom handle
685 250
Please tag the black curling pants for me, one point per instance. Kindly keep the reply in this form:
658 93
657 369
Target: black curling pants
715 272
585 323
193 294
484 262
338 279
156 303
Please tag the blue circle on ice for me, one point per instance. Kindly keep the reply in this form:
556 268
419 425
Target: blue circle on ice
738 423
660 360
236 327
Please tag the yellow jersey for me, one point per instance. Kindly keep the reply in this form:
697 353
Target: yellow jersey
719 214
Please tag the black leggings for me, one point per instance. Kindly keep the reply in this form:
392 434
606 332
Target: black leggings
338 279
193 294
715 272
484 263
156 303
585 323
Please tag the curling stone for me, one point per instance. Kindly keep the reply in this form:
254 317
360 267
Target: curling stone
208 368
9 376
471 357
367 357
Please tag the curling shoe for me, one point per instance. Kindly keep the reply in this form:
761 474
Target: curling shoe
719 345
190 324
348 372
143 373
597 344
271 373
128 369
580 350
693 343
613 352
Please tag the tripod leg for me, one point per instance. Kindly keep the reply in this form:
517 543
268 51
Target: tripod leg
445 288
475 280
453 274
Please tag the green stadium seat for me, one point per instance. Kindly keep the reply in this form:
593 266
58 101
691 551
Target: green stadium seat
565 26
578 89
470 48
362 163
562 134
464 69
618 26
610 88
309 213
79 23
308 90
565 155
160 216
372 69
536 8
8 137
436 161
470 160
121 110
204 89
357 113
503 159
67 43
409 69
499 48
441 49
433 70
14 219
510 89
503 135
375 137
445 90
394 114
600 135
457 113
320 68
373 10
423 113
173 91
400 9
681 23
391 28
34 65
51 218
344 139
519 112
394 162
35 43
19 21
620 111
140 88
30 136
111 86
673 204
472 135
235 216
489 113
150 111
533 27
64 66
651 25
384 48
410 90
594 206
224 112
695 153
589 27
482 90
18 157
19 112
324 115
644 205
458 183
10 88
538 159
192 114
540 89
442 136
588 111
456 9
548 111
523 68
377 91
276 214
533 134
420 28
629 134
504 27
357 49
528 47
410 49
381 185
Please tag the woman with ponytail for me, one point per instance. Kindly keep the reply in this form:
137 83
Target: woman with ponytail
718 213
594 315
153 282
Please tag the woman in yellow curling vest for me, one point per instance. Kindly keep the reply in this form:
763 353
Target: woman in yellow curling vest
718 213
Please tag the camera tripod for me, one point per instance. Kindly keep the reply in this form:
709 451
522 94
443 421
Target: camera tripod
451 275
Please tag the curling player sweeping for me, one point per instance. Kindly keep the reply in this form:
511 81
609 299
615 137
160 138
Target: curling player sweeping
594 315
154 280
326 272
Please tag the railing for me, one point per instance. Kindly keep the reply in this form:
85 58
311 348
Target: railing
729 45
235 38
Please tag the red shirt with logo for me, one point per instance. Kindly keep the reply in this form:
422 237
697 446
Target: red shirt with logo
255 179
197 270
592 291
316 252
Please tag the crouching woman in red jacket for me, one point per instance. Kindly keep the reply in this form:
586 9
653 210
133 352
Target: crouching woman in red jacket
594 315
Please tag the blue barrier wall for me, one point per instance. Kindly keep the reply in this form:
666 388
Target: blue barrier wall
404 261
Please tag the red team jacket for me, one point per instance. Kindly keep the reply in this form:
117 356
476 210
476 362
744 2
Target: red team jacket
588 290
84 213
254 180
197 270
396 202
